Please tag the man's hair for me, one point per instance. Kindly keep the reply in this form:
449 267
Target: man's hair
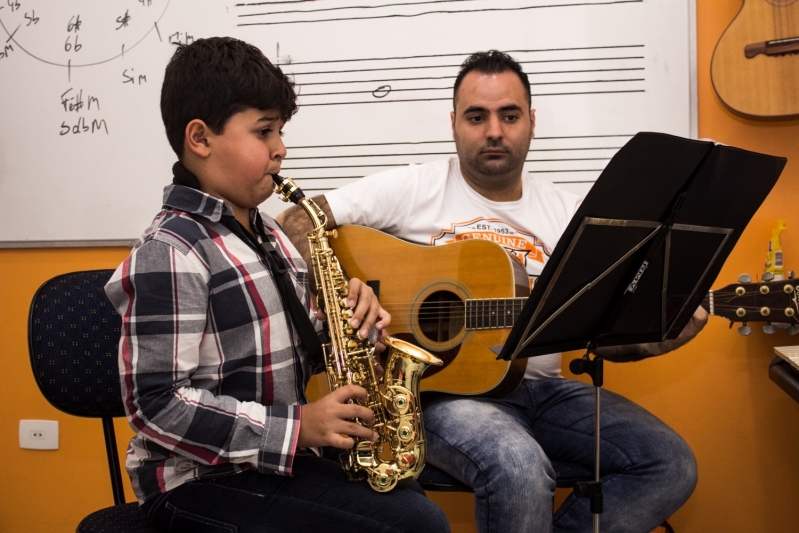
491 62
213 79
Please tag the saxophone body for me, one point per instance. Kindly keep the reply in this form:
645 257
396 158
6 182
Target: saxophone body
397 457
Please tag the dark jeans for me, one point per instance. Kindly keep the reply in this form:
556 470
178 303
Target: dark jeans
318 497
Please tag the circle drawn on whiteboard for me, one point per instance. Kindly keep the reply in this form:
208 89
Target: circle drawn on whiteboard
79 33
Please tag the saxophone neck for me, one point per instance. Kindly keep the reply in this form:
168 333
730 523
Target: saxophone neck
315 213
291 192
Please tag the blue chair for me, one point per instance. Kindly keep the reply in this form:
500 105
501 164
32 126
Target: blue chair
73 335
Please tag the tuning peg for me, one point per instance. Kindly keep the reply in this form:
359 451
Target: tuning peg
744 278
769 329
767 276
793 330
744 330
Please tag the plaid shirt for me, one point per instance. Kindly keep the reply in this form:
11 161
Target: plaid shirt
212 376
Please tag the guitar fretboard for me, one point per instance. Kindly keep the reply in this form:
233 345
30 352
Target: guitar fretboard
491 313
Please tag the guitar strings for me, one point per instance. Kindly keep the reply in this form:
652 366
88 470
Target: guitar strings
722 300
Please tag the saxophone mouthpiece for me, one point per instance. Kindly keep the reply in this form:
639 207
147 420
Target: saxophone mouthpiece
287 189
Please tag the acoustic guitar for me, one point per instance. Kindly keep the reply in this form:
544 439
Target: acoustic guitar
458 299
454 301
755 67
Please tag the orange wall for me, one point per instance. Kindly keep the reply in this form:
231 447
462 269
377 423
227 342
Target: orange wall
715 392
46 490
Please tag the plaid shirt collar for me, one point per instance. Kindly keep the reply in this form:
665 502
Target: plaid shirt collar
196 202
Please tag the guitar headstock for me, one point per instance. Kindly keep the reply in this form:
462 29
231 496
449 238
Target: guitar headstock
774 302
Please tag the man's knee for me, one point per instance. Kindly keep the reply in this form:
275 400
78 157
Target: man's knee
520 467
682 470
673 467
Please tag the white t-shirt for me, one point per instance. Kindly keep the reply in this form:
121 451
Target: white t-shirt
432 204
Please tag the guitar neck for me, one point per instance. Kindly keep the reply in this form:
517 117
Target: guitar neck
493 313
752 302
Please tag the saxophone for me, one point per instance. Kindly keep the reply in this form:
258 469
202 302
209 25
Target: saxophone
397 457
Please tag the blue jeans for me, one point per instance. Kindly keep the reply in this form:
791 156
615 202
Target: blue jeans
501 448
318 497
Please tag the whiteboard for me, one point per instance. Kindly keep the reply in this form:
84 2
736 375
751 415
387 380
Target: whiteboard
83 154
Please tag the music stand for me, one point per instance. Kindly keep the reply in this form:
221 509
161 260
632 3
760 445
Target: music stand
640 253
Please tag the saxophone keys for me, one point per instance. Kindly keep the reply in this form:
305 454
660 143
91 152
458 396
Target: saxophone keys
406 433
383 478
406 460
364 454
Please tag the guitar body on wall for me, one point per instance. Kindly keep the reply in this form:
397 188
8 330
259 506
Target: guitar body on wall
755 66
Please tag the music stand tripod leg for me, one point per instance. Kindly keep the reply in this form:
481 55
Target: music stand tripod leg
592 489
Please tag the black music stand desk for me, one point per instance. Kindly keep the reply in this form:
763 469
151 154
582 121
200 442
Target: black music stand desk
640 253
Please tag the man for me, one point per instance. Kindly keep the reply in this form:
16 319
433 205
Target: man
502 447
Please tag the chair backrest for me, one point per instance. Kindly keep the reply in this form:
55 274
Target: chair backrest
73 338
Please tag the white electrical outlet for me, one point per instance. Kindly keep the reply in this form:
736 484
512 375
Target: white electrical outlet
38 434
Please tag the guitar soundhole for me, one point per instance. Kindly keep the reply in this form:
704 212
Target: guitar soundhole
442 316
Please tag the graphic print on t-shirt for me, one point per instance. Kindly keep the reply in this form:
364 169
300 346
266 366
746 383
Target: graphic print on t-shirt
524 246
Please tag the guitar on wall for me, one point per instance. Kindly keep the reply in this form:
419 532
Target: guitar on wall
755 66
458 299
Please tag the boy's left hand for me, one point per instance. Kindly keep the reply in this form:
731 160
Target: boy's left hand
367 311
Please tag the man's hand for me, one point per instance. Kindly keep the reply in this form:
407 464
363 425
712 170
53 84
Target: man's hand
636 352
691 330
328 421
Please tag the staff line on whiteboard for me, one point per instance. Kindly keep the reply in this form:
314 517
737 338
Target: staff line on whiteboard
536 61
561 171
550 138
424 56
452 153
449 98
274 2
447 153
443 12
449 88
323 9
581 71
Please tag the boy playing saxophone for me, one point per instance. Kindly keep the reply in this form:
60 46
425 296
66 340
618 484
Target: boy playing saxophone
218 339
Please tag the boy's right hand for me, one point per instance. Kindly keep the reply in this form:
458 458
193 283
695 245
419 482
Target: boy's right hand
328 421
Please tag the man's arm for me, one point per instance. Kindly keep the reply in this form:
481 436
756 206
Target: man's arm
297 225
636 352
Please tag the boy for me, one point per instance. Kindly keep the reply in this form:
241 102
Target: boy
217 341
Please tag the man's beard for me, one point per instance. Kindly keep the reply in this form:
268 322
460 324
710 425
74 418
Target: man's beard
508 162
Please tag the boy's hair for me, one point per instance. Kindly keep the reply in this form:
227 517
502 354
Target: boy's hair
213 79
491 62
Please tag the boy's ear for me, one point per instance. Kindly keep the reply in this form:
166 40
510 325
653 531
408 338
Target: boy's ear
196 138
